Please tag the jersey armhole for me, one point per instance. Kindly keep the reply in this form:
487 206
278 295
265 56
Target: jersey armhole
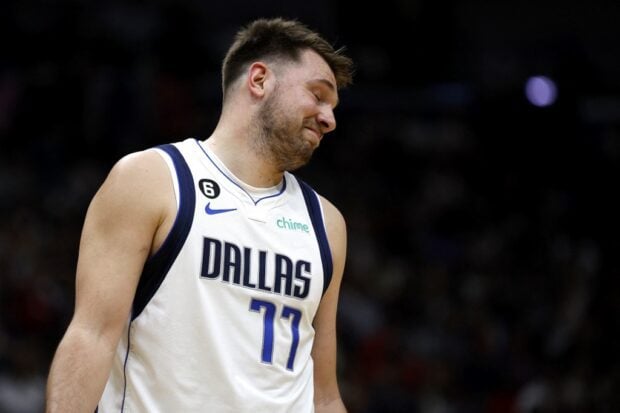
156 267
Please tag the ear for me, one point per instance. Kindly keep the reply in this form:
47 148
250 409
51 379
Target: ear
258 78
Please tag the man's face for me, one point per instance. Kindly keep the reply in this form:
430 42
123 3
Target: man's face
298 112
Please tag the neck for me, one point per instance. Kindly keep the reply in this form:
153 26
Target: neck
236 151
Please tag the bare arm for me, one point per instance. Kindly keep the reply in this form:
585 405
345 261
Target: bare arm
123 220
326 393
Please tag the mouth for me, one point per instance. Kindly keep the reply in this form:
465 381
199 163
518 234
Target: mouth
317 135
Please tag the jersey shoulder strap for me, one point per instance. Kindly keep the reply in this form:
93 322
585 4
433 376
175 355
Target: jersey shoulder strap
316 217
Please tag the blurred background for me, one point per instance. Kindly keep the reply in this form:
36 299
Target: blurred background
474 161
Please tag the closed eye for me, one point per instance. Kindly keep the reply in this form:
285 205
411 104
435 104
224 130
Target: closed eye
323 91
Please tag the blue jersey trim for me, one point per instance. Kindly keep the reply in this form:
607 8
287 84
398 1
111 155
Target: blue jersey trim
125 368
156 267
314 209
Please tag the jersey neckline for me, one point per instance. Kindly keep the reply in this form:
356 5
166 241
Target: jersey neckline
254 194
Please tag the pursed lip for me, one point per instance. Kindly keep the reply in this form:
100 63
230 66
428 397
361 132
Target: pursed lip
316 132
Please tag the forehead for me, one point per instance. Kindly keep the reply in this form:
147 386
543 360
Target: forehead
312 67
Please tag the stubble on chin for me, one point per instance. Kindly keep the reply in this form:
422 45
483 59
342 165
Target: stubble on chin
279 142
288 153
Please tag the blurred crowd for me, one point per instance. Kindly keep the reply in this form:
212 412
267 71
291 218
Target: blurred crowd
483 259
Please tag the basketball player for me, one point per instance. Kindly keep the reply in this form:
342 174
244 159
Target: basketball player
208 275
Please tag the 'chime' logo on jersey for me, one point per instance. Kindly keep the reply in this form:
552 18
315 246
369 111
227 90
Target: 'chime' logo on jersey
290 225
251 268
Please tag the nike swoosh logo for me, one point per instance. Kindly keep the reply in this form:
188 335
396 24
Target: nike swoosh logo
213 211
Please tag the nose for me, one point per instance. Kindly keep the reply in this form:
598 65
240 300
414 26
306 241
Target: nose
326 119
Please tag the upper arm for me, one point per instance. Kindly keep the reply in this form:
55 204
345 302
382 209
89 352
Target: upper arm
120 226
324 348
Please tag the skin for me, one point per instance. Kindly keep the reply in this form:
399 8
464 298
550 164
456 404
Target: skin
133 211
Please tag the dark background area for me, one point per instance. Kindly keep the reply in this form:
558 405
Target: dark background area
483 261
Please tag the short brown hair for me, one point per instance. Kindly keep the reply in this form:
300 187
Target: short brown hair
280 38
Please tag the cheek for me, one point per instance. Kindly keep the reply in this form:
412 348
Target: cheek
308 108
303 101
297 107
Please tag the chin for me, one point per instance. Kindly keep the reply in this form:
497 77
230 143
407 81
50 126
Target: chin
297 161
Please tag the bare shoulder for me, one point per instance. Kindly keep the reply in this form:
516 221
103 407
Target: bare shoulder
137 191
139 175
334 220
139 169
336 233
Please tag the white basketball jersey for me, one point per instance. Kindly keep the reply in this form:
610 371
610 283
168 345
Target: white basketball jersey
222 319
